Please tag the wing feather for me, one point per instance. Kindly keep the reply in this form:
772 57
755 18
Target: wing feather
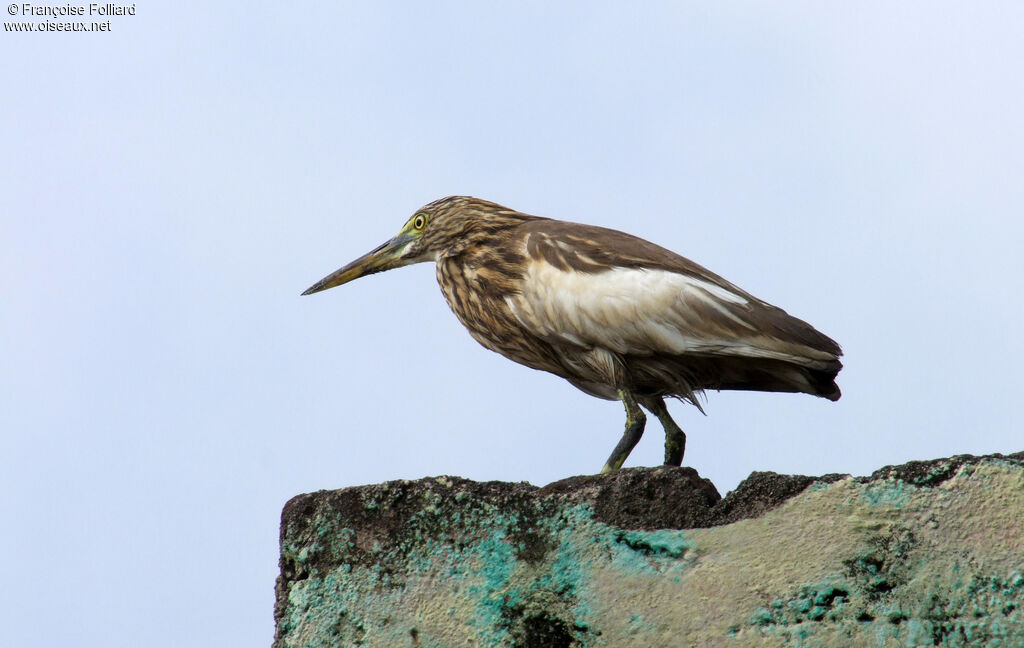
594 287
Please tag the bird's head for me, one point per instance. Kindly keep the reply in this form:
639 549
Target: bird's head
442 228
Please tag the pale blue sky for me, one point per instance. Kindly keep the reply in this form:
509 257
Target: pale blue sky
168 189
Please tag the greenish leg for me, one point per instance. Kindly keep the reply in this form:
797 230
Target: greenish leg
675 439
635 421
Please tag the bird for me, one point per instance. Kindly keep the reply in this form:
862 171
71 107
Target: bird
617 316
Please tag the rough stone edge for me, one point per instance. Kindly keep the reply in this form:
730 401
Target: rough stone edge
760 493
935 471
694 499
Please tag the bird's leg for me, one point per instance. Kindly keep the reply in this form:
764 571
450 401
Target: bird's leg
635 421
675 439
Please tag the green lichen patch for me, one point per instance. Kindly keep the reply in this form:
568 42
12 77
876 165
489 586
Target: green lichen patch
863 594
812 603
986 611
883 566
656 544
891 493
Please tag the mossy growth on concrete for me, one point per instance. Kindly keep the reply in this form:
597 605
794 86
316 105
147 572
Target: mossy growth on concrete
926 554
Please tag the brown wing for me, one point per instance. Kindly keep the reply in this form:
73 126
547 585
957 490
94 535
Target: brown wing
595 287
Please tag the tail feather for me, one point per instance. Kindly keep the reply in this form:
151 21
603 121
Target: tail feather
695 374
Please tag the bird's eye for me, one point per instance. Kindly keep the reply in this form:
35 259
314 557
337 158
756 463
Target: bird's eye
419 222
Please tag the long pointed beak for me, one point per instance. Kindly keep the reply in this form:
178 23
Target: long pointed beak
385 257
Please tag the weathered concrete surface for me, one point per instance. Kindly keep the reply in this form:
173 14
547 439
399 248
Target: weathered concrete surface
924 554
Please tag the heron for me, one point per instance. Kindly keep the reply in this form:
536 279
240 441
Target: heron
617 316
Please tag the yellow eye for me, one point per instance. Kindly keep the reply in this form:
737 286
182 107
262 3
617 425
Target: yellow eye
419 222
